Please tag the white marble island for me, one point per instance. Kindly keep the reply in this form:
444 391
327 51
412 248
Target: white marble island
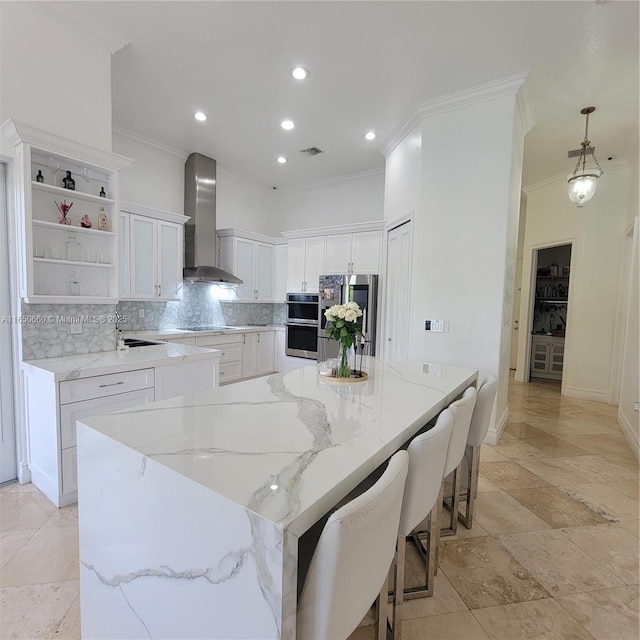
191 508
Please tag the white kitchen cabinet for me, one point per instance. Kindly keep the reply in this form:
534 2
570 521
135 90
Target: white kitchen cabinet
189 341
547 357
305 263
280 272
48 271
188 377
230 347
353 252
258 353
249 256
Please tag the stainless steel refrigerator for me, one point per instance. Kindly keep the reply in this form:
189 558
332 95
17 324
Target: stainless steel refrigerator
339 289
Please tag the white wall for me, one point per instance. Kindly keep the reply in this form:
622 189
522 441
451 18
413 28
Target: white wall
357 198
53 78
597 233
464 189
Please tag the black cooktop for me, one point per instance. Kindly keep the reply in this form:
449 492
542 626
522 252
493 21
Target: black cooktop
211 328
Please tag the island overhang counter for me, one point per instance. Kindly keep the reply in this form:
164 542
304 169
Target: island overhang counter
190 509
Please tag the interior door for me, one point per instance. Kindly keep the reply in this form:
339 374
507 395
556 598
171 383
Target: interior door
398 287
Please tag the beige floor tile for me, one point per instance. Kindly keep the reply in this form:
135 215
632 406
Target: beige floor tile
557 472
363 633
557 564
600 469
27 487
556 507
606 499
485 575
611 545
511 621
518 450
462 532
511 475
445 599
69 628
51 555
11 542
606 614
35 611
489 454
630 488
65 517
599 443
553 447
632 526
4 488
627 460
24 510
524 430
484 485
448 626
497 512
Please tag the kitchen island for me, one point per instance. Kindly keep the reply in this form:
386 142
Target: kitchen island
190 509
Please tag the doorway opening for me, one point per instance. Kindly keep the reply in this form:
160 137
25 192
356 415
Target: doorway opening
549 310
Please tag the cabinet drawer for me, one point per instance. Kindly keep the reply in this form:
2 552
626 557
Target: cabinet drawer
73 411
214 341
230 371
229 352
190 341
107 385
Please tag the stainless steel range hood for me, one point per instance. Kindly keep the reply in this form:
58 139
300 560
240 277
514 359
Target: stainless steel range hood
200 230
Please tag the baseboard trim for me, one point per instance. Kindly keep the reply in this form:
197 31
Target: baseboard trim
24 473
629 433
495 433
586 394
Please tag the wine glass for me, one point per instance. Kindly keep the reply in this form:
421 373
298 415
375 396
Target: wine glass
54 166
87 174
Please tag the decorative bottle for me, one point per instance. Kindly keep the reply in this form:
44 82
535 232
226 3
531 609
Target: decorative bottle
39 177
102 193
68 182
74 249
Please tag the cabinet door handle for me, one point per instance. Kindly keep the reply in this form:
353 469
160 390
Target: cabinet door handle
113 384
159 291
244 338
258 337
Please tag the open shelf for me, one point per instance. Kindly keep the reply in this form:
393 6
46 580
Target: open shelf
68 193
554 300
70 228
75 263
58 299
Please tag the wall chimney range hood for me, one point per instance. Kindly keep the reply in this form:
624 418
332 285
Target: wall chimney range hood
200 229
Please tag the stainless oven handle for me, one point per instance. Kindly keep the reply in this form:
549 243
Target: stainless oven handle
302 323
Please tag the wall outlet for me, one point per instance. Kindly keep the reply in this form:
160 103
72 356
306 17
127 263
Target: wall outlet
140 313
75 328
437 326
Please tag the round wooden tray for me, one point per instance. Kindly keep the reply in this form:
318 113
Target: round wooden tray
365 376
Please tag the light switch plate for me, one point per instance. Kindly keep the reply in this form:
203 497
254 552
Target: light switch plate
140 313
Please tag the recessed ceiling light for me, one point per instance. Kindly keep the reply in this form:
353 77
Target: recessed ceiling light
287 124
300 73
281 159
370 135
201 117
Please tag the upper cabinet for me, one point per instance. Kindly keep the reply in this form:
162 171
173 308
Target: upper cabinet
151 258
353 252
66 196
251 257
305 263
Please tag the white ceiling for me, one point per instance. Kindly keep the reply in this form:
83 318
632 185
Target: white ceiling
371 63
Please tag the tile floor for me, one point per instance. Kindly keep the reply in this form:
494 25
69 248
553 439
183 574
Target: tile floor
553 553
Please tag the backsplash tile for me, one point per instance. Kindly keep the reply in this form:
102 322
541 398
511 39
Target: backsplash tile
46 329
48 333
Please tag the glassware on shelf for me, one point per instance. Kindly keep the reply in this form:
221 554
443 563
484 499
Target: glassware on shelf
55 252
54 166
87 174
38 251
73 249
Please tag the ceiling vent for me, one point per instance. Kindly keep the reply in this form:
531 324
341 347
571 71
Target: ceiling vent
576 152
312 151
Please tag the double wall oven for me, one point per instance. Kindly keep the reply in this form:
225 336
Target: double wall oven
302 325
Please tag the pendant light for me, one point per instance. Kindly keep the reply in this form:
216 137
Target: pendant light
582 182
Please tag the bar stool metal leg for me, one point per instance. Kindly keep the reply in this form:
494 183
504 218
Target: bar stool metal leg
473 458
452 529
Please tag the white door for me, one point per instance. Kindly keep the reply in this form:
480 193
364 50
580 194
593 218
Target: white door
264 271
143 257
7 420
266 352
314 263
338 256
249 350
365 252
170 267
245 269
295 265
398 286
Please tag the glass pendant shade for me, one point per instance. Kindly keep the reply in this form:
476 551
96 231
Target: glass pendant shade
582 186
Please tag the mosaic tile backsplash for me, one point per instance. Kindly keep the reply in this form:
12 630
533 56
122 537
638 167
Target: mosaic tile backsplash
47 329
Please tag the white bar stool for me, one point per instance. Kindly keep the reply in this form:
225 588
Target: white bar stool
477 433
350 565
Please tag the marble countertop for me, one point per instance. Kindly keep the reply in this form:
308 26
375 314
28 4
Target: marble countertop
288 446
96 364
185 333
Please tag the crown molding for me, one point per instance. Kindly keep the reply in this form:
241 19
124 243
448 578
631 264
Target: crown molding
66 15
525 107
249 235
354 227
614 165
349 177
458 100
147 143
242 180
19 133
